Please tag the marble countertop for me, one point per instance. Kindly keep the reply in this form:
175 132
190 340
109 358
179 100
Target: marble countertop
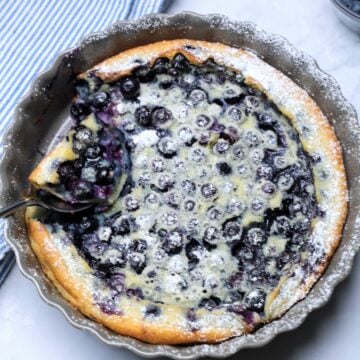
30 329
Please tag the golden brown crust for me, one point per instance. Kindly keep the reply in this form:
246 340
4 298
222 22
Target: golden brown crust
75 290
327 232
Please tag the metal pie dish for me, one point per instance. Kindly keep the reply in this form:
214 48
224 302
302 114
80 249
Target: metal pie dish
43 114
348 17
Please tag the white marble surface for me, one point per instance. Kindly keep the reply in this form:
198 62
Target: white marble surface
30 329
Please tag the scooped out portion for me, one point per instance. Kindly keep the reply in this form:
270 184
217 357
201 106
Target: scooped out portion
91 164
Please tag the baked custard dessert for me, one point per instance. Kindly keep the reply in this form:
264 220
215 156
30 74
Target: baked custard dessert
223 194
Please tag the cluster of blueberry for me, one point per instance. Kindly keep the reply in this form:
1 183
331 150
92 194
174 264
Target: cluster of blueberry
257 153
101 154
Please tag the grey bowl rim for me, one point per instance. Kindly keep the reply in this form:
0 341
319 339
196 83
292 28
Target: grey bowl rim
86 41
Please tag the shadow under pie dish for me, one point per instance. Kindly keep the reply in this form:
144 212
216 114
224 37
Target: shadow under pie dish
232 194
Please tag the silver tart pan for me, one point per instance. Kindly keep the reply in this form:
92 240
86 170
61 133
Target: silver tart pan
43 113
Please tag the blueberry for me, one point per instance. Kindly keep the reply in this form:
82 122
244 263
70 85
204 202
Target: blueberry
143 116
152 310
255 275
234 113
244 254
189 205
161 133
302 226
239 152
257 204
193 223
186 81
131 203
117 281
138 246
173 200
151 274
88 224
197 155
180 63
298 239
99 99
137 262
255 237
135 292
213 213
130 145
204 139
94 152
230 134
285 258
82 190
252 101
221 147
235 206
82 88
82 138
167 147
235 279
202 120
268 188
79 110
122 227
129 87
104 177
255 300
67 172
266 121
251 138
173 242
144 74
224 168
162 233
256 155
244 170
192 249
210 303
285 182
166 84
94 247
169 218
212 235
151 199
197 96
165 183
232 230
189 186
280 162
161 65
208 190
265 171
161 115
187 136
158 165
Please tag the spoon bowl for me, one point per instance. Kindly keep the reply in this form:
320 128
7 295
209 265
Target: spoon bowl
46 200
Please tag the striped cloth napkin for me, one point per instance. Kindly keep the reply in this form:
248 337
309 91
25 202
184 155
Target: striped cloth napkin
33 32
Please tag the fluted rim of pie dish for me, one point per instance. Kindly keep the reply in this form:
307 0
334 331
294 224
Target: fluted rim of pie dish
319 294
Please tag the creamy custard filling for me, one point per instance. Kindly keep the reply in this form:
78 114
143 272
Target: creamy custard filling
221 200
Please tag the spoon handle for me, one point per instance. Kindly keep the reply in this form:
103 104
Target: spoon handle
7 210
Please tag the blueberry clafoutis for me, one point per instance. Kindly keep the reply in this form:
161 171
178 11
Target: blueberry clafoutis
227 187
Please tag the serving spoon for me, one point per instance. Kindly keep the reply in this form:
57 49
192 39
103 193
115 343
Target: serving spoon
46 200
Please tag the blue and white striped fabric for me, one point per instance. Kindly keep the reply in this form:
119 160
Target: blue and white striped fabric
33 32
